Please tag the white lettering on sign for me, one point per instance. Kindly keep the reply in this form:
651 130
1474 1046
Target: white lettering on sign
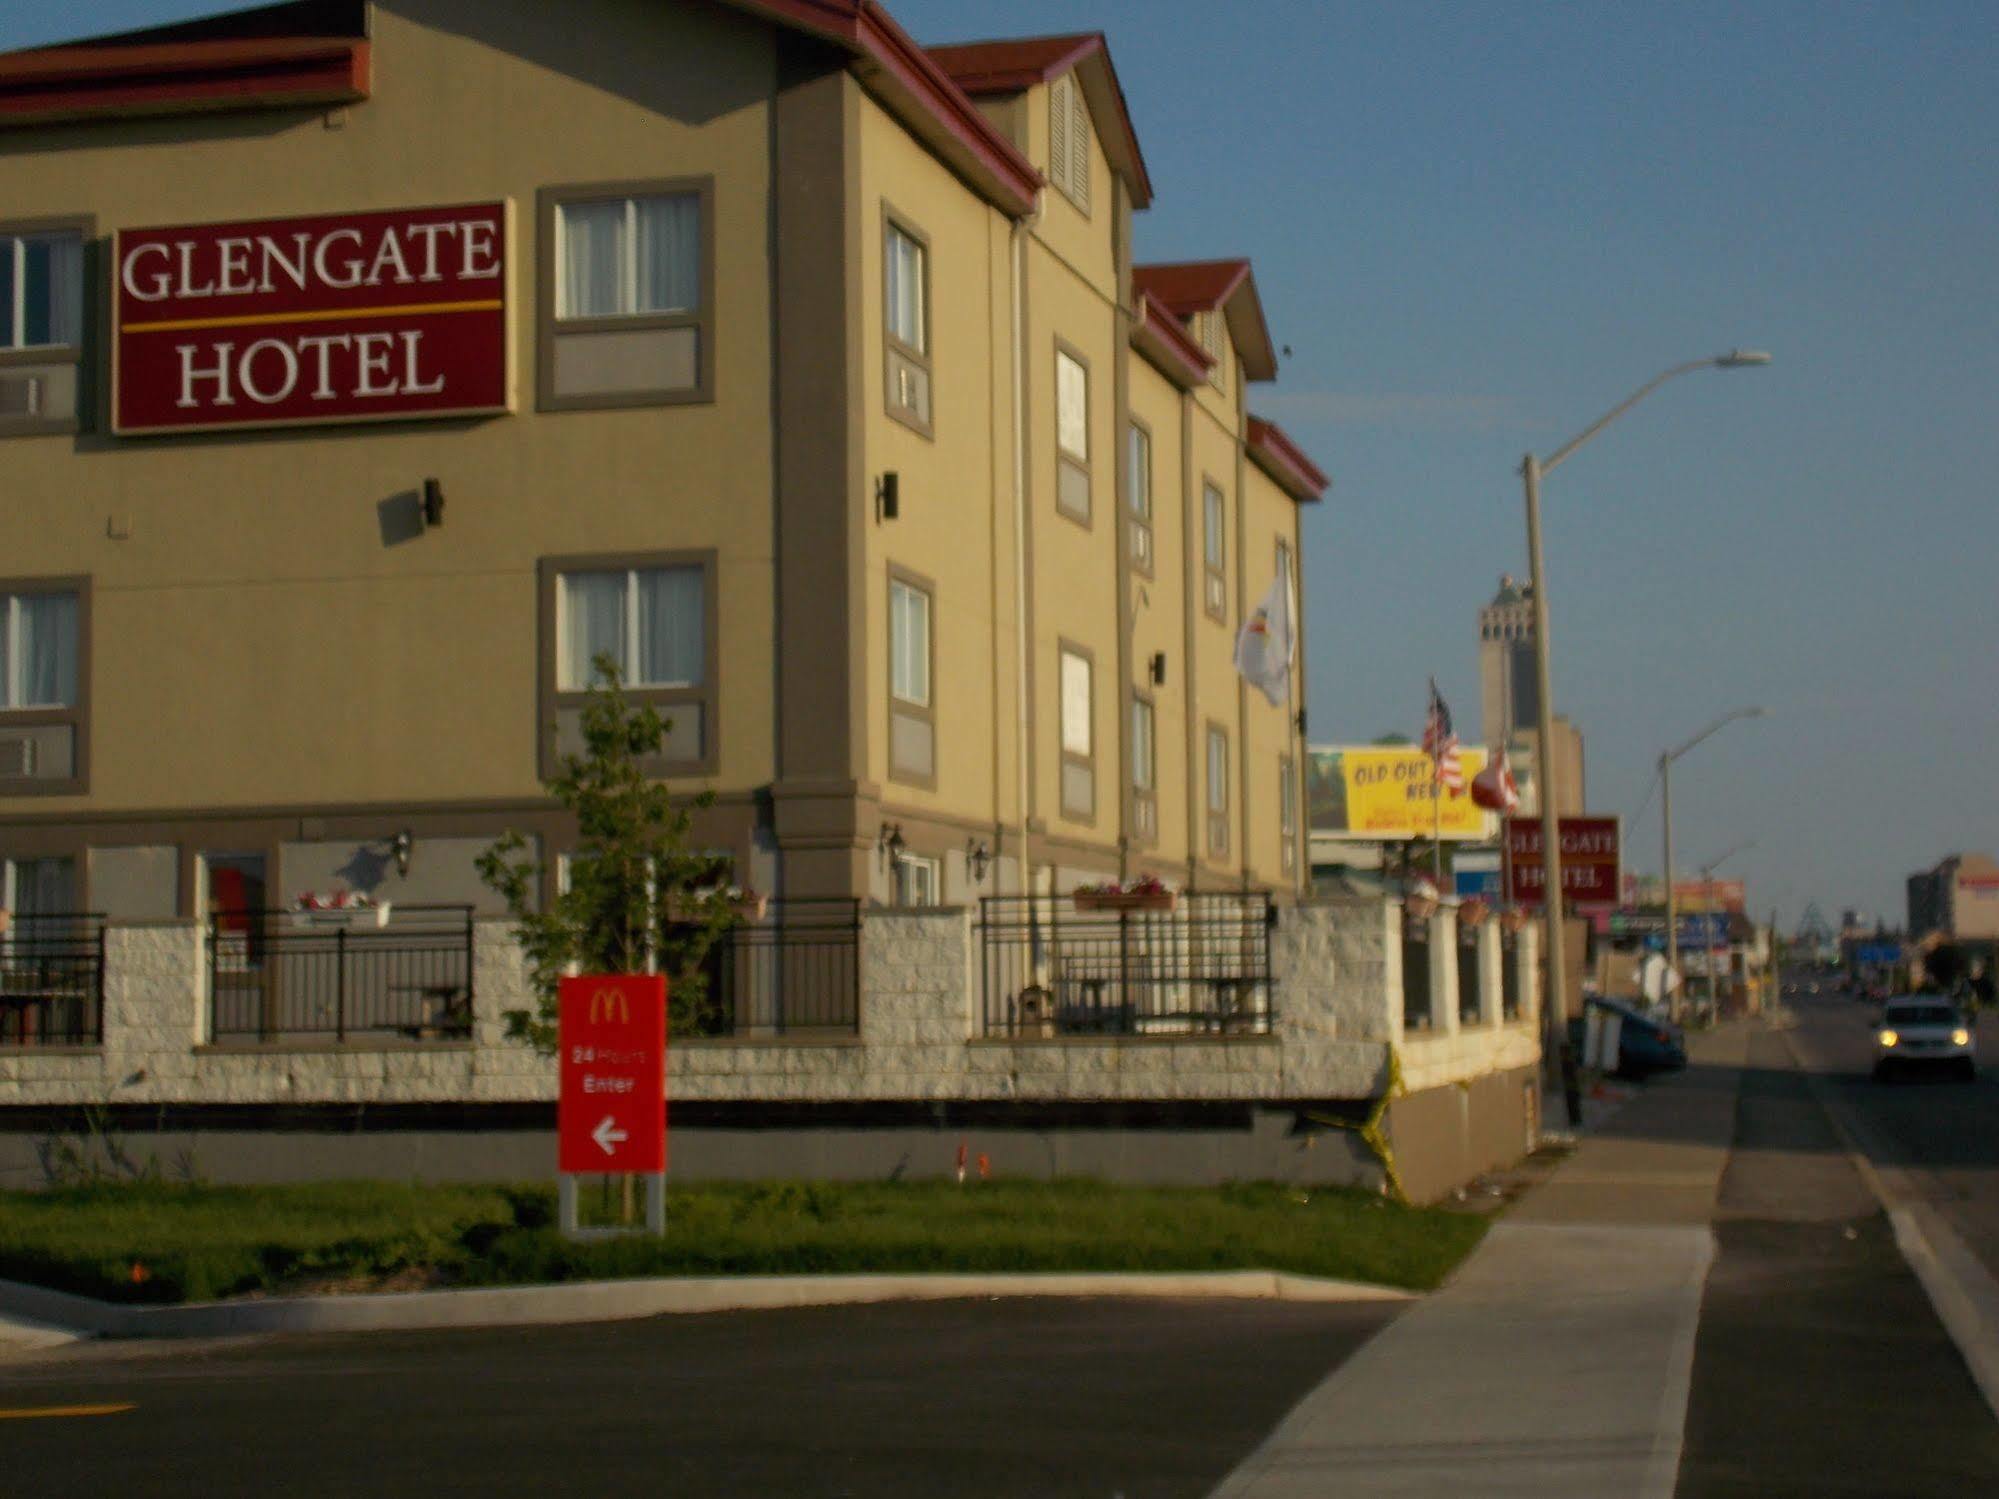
267 380
595 1084
339 259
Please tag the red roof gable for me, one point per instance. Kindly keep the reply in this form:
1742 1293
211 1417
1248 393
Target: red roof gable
1191 286
1014 64
1161 335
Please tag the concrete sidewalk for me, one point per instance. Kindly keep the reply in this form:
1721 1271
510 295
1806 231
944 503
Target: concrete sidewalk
1557 1361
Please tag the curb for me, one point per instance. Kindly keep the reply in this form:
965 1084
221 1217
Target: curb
1964 1295
622 1300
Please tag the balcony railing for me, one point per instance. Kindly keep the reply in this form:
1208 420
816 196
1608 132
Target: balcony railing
52 980
339 976
1051 970
797 967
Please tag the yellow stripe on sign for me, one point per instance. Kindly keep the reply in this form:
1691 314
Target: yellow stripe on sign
56 1412
325 316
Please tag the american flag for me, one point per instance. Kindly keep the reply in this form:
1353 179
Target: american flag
1441 745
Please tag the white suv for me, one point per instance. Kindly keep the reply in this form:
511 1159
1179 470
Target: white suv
1923 1030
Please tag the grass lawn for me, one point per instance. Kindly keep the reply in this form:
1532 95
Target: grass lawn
155 1242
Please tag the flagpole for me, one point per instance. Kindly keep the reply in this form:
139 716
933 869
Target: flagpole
1437 823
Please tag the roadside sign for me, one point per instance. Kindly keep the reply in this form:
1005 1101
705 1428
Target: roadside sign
611 1114
1591 860
1878 954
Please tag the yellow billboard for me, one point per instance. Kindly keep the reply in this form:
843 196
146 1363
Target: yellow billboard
1388 793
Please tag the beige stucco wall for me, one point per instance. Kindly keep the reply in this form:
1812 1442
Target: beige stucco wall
1160 608
257 640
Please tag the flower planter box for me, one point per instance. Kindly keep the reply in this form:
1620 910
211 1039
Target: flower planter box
1148 900
351 917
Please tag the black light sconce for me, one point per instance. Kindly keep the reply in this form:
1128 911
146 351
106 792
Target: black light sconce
399 848
433 503
888 496
890 842
1301 723
978 859
1159 668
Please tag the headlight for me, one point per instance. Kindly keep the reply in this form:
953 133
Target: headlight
1960 1037
1889 1038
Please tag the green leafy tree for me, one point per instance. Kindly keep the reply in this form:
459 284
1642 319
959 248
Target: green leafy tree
640 900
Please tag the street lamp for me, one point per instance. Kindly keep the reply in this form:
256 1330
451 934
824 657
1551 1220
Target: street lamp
1666 821
1555 1000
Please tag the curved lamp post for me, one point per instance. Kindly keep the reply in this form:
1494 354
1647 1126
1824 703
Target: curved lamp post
1666 823
1555 998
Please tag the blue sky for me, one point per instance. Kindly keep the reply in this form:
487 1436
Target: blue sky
1478 226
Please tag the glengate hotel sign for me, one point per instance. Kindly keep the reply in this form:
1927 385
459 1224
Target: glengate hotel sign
378 316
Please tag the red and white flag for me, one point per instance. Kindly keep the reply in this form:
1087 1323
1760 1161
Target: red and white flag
1493 788
1441 745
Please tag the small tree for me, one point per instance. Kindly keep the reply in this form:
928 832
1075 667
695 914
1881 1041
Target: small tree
639 899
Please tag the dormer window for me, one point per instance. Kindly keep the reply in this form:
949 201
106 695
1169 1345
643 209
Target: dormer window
1211 328
1069 141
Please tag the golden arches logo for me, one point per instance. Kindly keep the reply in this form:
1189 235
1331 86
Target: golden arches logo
610 1004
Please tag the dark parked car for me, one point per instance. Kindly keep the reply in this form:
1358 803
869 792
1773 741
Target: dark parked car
1645 1044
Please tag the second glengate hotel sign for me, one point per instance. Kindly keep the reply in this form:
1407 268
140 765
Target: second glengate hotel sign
353 317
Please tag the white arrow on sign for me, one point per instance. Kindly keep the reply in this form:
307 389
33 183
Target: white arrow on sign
608 1135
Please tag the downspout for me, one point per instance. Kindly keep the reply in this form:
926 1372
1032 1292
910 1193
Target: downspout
1017 263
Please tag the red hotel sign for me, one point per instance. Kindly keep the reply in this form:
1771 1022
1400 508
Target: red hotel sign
287 322
611 1113
1590 860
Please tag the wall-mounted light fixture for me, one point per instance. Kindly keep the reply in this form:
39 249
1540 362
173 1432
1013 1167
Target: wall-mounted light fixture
978 859
890 842
888 496
1159 668
399 848
433 503
1301 723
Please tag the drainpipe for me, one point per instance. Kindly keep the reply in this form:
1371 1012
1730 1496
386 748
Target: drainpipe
1017 261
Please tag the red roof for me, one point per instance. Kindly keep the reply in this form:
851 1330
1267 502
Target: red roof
1277 455
1014 64
1161 335
1191 286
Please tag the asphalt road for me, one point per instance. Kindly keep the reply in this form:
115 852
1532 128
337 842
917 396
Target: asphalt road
1820 1367
1943 1133
988 1398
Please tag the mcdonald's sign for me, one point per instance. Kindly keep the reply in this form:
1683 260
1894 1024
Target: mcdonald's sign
611 1114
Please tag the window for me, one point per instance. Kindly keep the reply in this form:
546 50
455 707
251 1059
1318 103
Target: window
919 881
627 294
906 303
912 720
1144 771
654 616
1072 435
38 887
1138 481
41 325
43 685
1079 766
1287 810
1214 507
1069 141
1218 791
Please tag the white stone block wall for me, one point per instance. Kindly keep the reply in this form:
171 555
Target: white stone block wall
1336 996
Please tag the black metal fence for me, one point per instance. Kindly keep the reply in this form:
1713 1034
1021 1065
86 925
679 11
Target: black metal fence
280 975
795 967
1470 1000
52 980
1050 969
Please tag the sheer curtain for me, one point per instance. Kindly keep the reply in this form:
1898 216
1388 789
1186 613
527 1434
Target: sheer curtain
45 887
905 289
592 269
593 624
669 253
65 290
672 628
46 651
909 627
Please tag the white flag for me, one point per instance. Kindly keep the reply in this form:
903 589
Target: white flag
1264 646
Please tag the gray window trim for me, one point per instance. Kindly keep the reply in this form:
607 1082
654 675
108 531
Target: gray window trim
78 715
84 226
894 218
548 327
552 699
926 712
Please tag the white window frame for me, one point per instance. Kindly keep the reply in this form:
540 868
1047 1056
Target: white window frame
919 880
629 644
14 243
896 665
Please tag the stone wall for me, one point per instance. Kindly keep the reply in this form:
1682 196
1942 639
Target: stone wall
1336 999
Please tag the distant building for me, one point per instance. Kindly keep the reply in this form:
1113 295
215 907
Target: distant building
1510 702
1958 899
